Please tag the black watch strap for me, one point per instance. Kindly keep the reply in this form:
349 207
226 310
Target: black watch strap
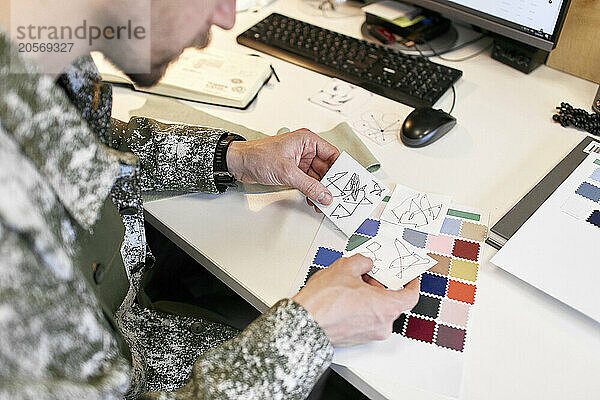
223 178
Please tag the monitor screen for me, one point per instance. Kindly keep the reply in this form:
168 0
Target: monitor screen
535 22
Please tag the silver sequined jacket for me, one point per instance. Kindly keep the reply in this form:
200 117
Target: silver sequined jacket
59 162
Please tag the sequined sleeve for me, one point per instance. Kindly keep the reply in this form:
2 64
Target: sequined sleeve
281 355
174 157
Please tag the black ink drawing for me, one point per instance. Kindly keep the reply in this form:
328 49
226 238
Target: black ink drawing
353 195
406 258
382 128
416 211
373 250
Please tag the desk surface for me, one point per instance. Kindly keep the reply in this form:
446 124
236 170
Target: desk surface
523 343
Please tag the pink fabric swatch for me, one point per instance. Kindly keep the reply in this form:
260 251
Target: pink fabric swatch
454 312
440 244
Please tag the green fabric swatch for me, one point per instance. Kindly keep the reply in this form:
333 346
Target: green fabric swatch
464 214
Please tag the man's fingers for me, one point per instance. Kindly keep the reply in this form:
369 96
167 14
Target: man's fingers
359 264
310 203
325 150
309 186
409 296
372 281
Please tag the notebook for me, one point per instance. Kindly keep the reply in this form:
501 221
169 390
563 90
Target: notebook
207 76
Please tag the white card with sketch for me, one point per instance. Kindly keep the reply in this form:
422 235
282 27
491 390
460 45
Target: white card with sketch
356 193
381 127
342 97
395 261
420 211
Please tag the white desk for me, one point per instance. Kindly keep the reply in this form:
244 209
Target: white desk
523 344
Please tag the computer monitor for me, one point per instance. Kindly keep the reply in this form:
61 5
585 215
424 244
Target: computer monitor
534 22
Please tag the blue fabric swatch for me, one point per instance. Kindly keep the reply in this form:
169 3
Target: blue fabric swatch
594 218
451 226
433 284
596 175
589 191
325 257
416 238
369 228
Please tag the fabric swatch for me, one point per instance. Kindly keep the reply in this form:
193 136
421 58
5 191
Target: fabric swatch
464 249
472 231
427 306
370 227
325 257
464 270
454 313
451 226
589 191
416 238
420 329
443 264
594 219
452 338
461 291
433 284
440 244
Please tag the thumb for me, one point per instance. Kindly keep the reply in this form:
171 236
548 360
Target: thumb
310 187
360 265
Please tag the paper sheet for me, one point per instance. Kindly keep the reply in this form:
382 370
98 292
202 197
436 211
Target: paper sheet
395 261
356 193
420 211
391 10
554 248
342 97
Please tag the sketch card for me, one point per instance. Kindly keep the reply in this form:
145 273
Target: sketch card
416 210
342 97
382 128
356 194
395 261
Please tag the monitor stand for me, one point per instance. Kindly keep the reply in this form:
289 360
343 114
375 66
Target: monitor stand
444 40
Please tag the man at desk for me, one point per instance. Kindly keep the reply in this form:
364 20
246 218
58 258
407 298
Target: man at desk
73 250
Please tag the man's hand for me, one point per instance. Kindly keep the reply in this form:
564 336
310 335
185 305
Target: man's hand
299 159
351 307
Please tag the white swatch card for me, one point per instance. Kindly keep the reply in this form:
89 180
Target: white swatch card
395 261
356 193
342 97
416 210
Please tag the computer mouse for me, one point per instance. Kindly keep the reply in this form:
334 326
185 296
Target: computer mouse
424 126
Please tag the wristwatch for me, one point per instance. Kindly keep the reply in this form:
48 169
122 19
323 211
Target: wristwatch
223 178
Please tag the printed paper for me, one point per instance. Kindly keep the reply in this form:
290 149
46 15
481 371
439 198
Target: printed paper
356 193
416 210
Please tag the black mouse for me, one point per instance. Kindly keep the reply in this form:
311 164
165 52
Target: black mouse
424 126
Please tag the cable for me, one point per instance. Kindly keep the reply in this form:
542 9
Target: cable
458 59
453 89
577 117
453 100
451 49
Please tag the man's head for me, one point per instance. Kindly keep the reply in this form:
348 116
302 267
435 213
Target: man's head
176 25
